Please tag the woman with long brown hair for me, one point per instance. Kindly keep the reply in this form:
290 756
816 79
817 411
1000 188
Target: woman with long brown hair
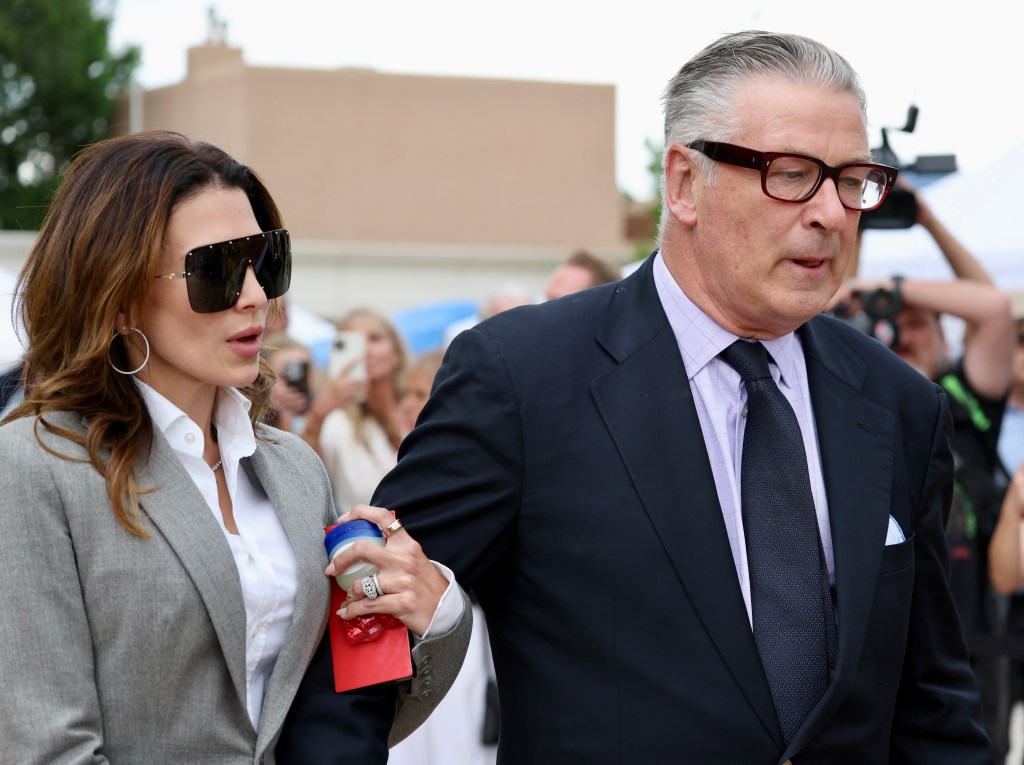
162 585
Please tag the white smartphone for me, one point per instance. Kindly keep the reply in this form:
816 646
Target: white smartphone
348 347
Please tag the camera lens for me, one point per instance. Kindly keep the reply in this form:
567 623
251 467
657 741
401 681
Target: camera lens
881 303
296 374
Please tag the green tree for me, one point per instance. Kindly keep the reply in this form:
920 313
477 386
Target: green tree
58 85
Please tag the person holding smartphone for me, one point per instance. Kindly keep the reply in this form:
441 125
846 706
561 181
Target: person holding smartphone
291 393
162 568
356 423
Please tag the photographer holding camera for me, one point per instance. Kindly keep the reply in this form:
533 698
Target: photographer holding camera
291 395
904 313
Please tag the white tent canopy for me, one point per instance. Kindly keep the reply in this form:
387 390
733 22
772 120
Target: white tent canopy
983 210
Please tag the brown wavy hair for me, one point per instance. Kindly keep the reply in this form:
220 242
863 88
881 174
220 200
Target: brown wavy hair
96 256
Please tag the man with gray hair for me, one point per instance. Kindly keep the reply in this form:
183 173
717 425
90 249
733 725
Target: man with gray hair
704 522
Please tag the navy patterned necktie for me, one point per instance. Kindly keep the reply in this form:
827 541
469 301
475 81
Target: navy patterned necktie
793 619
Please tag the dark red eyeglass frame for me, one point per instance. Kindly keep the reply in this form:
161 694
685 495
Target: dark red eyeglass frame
740 156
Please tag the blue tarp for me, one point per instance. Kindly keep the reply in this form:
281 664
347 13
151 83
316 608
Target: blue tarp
422 327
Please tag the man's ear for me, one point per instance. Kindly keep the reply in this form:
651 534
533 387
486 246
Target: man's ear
681 179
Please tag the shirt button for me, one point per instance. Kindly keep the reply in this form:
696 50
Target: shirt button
190 438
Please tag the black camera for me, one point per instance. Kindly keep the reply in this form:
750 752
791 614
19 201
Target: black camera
899 210
876 315
296 374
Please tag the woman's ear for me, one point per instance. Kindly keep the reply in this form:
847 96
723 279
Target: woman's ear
681 179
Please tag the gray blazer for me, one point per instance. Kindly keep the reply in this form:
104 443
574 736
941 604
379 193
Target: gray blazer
119 649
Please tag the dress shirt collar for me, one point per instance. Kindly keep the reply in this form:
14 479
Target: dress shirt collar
231 416
700 338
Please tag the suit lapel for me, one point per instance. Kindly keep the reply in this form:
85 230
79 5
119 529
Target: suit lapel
184 520
856 441
180 513
288 489
648 408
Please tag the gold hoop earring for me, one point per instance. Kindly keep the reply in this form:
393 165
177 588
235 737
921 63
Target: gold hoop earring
144 361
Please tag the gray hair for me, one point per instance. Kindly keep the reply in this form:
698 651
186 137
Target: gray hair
700 99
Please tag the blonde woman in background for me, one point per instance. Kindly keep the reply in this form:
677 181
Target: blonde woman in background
356 425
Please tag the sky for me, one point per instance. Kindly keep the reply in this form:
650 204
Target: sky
961 68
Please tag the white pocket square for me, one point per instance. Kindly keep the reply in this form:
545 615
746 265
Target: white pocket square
894 535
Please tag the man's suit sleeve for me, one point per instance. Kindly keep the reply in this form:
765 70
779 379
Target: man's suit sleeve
456 460
324 727
328 727
358 726
937 720
458 482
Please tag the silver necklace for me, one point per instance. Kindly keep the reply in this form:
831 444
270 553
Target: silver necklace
213 433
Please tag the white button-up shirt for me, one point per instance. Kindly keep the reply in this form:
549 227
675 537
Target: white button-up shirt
267 569
721 399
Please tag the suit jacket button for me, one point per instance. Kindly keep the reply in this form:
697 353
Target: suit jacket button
425 694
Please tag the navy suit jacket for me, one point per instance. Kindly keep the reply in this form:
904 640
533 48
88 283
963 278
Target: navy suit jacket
559 469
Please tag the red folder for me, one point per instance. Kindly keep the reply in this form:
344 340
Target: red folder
383 660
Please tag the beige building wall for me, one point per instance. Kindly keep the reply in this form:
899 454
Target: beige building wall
403 189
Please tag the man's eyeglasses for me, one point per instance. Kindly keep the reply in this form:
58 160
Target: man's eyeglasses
214 273
862 186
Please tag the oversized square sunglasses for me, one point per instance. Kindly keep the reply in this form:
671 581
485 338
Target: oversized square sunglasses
214 273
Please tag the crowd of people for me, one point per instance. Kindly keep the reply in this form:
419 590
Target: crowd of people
357 425
699 514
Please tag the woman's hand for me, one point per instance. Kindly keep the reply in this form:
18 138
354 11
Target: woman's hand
339 392
286 400
336 394
412 586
